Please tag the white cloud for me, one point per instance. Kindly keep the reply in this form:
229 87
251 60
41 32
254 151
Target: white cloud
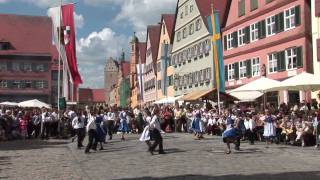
3 1
93 51
45 3
79 20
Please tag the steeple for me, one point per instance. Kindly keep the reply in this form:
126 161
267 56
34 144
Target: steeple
134 38
122 56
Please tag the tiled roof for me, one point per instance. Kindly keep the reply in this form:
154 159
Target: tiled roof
142 49
169 20
222 7
98 95
154 35
85 95
28 35
91 95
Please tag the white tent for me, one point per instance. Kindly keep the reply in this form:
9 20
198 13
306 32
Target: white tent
254 89
167 100
301 82
34 103
7 103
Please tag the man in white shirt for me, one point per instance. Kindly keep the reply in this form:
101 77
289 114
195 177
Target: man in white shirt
110 119
155 130
78 126
45 124
91 129
250 126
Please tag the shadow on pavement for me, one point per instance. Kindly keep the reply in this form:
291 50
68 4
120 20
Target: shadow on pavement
313 175
30 144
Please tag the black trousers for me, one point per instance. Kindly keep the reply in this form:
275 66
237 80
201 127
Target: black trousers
156 136
37 130
81 134
92 135
110 128
250 136
45 130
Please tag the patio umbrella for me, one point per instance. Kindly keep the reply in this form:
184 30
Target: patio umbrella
7 103
34 103
301 82
262 85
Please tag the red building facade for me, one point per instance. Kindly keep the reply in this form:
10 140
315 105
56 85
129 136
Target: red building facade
25 58
269 38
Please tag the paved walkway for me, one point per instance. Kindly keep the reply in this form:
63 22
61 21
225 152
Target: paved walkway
186 159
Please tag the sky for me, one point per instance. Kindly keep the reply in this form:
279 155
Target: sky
104 27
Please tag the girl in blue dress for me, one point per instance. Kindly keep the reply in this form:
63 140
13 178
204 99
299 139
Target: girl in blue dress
123 124
196 126
231 134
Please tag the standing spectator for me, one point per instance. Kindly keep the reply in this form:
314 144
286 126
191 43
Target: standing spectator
45 124
36 121
23 126
250 126
111 118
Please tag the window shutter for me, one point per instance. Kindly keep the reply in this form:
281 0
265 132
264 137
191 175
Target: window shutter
248 68
235 39
281 22
9 83
9 66
34 84
253 5
225 42
236 70
262 29
299 57
226 73
281 63
297 17
247 34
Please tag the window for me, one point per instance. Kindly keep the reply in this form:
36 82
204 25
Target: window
15 66
170 80
178 36
253 5
3 83
4 46
231 72
289 18
254 32
271 25
229 41
255 67
159 84
241 35
40 67
28 84
242 69
191 29
191 8
291 58
16 84
39 84
181 15
159 66
184 33
186 10
198 24
241 8
163 29
273 63
27 67
3 66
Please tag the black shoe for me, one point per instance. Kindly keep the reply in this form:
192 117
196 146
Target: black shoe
151 151
86 152
101 149
237 148
162 152
110 138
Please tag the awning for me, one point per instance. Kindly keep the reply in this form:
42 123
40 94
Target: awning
208 95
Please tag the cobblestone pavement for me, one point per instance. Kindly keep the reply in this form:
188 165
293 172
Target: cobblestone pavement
185 159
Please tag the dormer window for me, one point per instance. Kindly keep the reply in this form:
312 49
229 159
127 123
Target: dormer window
4 46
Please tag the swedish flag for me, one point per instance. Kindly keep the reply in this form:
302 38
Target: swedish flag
214 28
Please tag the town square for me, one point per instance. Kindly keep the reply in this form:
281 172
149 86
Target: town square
170 89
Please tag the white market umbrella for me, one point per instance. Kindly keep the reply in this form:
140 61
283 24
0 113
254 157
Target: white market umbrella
34 103
262 85
7 103
301 82
246 96
167 100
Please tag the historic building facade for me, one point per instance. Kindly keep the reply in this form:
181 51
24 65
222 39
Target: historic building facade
25 58
150 71
269 38
111 73
192 51
315 15
164 67
137 61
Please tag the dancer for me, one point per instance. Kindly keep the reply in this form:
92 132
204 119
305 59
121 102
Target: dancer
145 136
78 126
269 129
231 134
197 126
91 129
111 117
100 133
155 132
123 124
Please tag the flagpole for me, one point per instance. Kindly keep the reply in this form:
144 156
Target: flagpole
59 68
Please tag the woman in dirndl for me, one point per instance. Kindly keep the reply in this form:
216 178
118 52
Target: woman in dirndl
145 136
231 134
123 128
269 131
100 132
197 126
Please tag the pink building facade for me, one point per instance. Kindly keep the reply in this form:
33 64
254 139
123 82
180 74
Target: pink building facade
269 38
